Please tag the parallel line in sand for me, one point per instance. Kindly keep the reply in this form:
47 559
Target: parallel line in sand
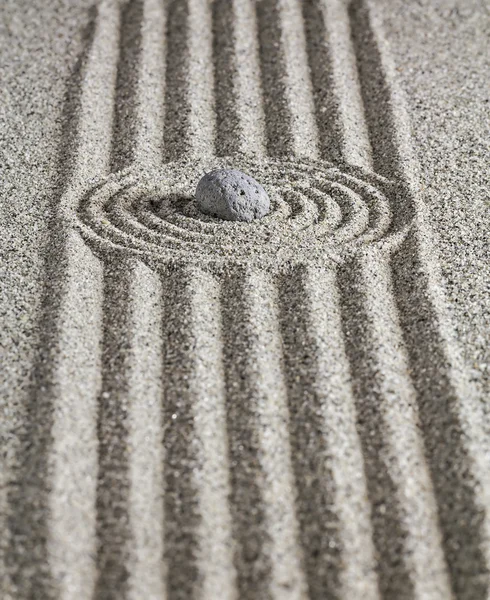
73 453
240 121
198 526
67 380
286 84
189 126
404 510
130 503
385 115
334 513
97 94
138 122
145 437
125 122
456 445
150 85
387 122
450 412
268 556
339 109
113 527
53 504
29 437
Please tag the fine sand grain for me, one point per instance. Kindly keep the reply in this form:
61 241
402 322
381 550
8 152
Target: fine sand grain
287 408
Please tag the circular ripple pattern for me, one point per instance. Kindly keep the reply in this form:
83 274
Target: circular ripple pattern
318 212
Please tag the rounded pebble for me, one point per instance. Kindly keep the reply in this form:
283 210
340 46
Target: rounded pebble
231 195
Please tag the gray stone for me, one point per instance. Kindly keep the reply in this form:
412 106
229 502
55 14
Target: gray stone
231 195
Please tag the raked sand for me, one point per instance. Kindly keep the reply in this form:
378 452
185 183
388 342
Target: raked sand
291 408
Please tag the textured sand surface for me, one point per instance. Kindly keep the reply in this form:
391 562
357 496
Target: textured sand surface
290 408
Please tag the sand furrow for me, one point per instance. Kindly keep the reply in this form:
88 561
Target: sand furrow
334 513
240 125
113 524
387 122
339 109
125 124
404 511
150 85
145 435
76 380
94 116
286 84
138 122
189 83
450 412
55 497
129 495
197 519
268 556
451 418
57 490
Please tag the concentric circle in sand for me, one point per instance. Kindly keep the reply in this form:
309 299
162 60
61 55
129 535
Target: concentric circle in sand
318 212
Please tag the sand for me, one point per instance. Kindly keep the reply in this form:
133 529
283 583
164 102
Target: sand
288 408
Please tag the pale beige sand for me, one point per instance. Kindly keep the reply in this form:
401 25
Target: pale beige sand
290 408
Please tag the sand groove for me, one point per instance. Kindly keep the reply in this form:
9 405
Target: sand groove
384 110
130 533
138 120
336 534
92 146
339 110
393 450
58 466
450 401
189 116
258 425
197 521
455 463
262 432
240 123
286 86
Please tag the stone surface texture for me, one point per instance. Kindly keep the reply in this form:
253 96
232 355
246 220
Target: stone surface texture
231 195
